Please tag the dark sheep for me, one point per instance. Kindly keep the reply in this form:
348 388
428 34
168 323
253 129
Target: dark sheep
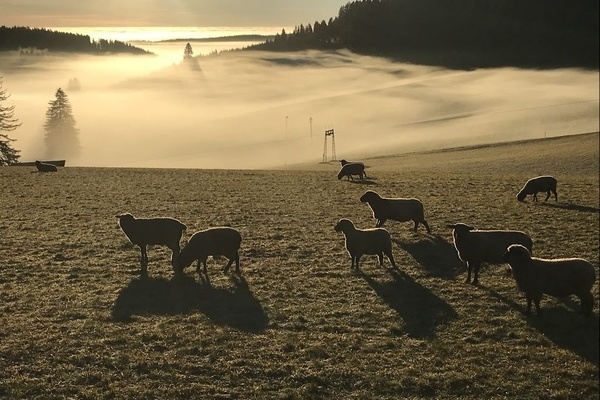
220 241
559 278
152 231
344 162
359 242
45 167
396 209
475 247
350 169
539 184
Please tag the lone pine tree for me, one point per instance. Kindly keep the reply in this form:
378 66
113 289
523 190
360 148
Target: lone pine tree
62 137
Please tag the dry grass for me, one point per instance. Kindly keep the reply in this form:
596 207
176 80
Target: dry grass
77 320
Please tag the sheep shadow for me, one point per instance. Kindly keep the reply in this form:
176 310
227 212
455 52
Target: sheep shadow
571 206
564 326
420 309
236 307
368 181
434 254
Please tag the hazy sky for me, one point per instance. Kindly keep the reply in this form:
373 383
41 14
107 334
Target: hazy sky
45 13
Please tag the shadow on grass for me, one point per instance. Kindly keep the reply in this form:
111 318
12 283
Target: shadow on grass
435 255
367 181
572 207
420 309
237 308
565 326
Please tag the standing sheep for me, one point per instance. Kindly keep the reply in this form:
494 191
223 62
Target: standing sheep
540 184
396 209
152 231
344 162
220 241
477 246
359 242
350 169
45 167
560 277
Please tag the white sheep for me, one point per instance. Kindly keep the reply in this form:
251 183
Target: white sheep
396 209
376 241
350 169
539 184
477 246
219 241
152 231
559 277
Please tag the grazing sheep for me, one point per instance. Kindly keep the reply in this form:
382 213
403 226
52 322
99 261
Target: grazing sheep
559 278
477 246
45 167
540 184
146 231
399 209
365 241
221 241
350 169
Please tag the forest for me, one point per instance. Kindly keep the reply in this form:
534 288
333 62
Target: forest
31 40
458 33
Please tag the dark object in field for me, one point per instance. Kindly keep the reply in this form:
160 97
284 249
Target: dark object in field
350 169
220 241
344 162
396 209
375 241
560 278
45 167
58 163
477 246
152 231
539 184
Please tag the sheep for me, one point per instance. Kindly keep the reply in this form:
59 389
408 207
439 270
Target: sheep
147 231
350 169
559 277
540 184
365 241
45 167
219 241
477 246
396 209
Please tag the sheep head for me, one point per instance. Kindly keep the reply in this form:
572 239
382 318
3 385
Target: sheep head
521 196
517 255
344 225
460 228
369 196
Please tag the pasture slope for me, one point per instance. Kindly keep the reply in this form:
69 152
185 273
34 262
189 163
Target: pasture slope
77 320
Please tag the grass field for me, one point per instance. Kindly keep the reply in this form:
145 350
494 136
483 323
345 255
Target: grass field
78 321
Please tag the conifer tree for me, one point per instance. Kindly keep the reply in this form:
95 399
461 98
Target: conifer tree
8 155
62 137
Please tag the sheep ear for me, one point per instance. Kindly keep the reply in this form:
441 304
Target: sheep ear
451 226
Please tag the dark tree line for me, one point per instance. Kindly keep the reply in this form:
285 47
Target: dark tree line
15 38
458 33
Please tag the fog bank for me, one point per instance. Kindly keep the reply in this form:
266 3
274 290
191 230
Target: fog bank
262 110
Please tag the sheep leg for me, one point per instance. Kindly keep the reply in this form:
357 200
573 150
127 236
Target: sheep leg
587 303
555 195
536 301
226 269
547 195
380 257
144 258
469 268
380 222
529 299
426 225
390 256
476 273
357 258
535 196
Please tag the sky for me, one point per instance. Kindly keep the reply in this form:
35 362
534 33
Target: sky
45 13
